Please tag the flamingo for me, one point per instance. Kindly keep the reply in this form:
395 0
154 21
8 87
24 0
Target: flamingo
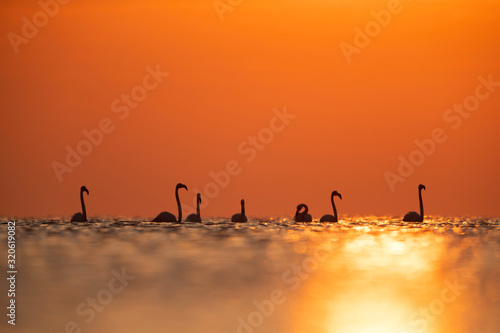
414 216
195 217
169 217
334 217
81 217
302 217
240 217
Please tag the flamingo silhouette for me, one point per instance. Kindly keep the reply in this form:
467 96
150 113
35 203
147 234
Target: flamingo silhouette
334 217
414 216
195 217
302 217
81 217
240 217
169 217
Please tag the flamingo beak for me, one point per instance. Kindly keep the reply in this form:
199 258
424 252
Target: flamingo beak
340 196
86 191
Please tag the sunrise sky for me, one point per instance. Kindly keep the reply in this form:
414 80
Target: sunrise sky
230 72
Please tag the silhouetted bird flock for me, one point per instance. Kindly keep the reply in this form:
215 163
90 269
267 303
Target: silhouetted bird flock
301 214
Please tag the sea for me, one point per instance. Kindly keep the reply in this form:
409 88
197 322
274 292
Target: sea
364 274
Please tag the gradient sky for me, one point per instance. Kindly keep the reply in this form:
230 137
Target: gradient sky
353 120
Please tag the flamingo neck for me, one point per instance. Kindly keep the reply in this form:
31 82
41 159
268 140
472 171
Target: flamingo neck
179 207
84 211
421 204
198 207
334 208
242 209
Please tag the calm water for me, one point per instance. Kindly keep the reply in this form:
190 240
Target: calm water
366 274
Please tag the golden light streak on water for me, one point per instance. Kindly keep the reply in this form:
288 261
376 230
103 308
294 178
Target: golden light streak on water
364 274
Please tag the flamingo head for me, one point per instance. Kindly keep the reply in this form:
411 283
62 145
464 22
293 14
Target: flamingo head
299 208
180 185
335 193
198 197
420 187
242 202
84 189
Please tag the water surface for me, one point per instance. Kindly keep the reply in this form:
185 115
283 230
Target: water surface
364 274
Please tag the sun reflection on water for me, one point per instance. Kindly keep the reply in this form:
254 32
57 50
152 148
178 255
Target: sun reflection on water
362 275
387 282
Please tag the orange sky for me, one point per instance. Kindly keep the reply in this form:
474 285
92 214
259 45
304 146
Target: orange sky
353 120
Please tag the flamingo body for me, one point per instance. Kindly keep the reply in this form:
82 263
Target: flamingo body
193 218
165 217
239 218
78 217
412 217
328 218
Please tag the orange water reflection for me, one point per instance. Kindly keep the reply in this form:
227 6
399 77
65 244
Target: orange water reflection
363 275
404 281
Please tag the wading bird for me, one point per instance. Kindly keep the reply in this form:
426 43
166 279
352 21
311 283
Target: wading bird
334 217
414 216
302 217
240 217
169 217
195 217
81 217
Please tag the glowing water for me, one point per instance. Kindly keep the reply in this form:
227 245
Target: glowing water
365 274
